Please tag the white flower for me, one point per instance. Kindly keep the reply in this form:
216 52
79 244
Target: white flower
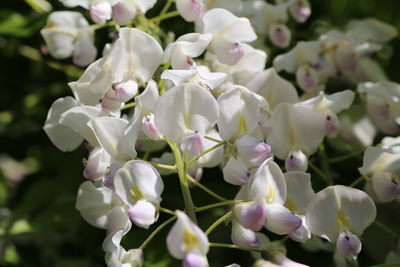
300 10
239 113
117 256
185 109
102 208
139 185
69 34
186 237
273 88
185 48
341 213
228 32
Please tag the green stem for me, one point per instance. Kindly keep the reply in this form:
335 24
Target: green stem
205 189
159 18
161 166
99 26
324 164
387 229
181 167
319 172
220 245
166 16
220 204
129 105
344 157
356 182
193 160
166 211
218 222
213 139
155 232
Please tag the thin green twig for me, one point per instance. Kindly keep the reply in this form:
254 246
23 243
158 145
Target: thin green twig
218 222
158 229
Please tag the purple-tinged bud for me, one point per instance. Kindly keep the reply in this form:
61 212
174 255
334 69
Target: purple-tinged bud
97 164
332 125
110 101
307 78
235 172
123 13
302 233
100 12
143 214
280 220
385 186
193 144
195 260
296 161
345 58
228 52
348 245
300 10
280 35
125 91
251 215
149 127
252 150
243 237
190 10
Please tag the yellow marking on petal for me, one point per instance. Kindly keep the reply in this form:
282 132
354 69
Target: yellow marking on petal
242 126
291 205
135 193
381 162
187 120
342 221
190 240
271 194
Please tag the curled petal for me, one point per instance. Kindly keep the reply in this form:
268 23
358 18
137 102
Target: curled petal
348 245
143 214
280 220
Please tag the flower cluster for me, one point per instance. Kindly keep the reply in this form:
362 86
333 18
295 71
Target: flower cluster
206 100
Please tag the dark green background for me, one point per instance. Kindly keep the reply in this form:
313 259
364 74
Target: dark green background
39 225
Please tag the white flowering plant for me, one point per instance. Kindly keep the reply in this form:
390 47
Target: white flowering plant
227 130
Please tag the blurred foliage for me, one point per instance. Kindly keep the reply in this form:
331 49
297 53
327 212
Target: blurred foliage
39 225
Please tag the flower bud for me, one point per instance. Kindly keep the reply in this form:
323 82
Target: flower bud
149 127
296 161
110 101
235 172
348 245
280 35
143 214
251 215
134 257
345 59
302 233
385 186
193 144
332 125
243 237
307 78
97 164
228 52
100 12
126 90
123 13
280 220
253 150
190 10
195 260
300 10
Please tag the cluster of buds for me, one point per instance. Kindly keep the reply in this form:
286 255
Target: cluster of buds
208 97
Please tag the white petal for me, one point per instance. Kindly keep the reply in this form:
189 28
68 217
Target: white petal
190 10
184 109
235 172
243 237
117 220
97 164
348 245
239 113
280 220
63 137
268 183
299 191
138 180
185 237
77 119
273 88
84 52
251 215
143 214
223 22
